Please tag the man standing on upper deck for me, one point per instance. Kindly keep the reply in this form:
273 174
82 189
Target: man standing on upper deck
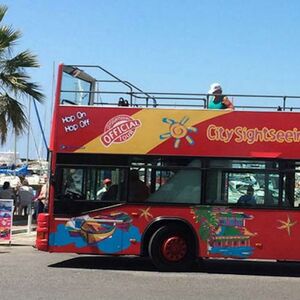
216 100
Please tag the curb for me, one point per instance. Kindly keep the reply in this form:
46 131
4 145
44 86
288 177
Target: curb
21 230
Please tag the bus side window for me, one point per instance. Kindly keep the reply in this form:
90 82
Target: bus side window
297 189
291 191
214 187
179 185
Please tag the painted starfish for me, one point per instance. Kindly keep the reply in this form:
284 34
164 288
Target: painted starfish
287 224
146 214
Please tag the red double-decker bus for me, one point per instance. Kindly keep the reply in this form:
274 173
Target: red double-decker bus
159 175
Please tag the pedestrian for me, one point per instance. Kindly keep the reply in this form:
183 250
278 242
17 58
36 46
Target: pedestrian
41 202
8 193
216 100
26 195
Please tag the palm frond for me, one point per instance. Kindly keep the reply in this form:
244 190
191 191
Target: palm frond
8 37
11 111
3 10
24 59
32 89
12 81
3 128
19 85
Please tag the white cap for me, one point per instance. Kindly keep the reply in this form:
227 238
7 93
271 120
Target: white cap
214 87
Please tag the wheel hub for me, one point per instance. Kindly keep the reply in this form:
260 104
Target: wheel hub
174 248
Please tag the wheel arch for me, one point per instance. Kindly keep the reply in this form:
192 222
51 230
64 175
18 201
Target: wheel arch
167 221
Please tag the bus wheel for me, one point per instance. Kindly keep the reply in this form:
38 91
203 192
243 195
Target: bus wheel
172 249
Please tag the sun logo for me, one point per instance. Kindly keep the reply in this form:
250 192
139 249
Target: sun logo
178 130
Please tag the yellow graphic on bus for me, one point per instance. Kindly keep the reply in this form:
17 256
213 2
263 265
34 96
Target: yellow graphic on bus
150 128
178 130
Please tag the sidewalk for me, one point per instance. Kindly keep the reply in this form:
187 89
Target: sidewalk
23 239
20 225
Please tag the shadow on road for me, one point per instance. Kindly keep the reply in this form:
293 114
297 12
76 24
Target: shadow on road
261 268
107 263
288 269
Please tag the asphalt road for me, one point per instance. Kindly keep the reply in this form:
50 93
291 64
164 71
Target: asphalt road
29 274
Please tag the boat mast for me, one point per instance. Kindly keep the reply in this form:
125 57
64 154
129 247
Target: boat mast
28 131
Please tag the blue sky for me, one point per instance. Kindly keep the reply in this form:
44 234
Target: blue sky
250 47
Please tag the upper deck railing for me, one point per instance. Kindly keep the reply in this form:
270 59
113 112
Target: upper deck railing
82 87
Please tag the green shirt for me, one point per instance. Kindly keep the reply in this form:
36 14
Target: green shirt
216 102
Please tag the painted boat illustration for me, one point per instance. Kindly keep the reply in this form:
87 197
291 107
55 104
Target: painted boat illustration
94 232
98 228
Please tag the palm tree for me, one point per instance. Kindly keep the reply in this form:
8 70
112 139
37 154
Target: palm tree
14 81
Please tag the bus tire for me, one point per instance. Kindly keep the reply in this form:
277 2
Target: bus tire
172 248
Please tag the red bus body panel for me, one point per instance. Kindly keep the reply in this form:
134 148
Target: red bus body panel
160 132
236 233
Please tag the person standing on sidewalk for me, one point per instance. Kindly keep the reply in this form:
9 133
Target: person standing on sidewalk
42 199
25 198
8 193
